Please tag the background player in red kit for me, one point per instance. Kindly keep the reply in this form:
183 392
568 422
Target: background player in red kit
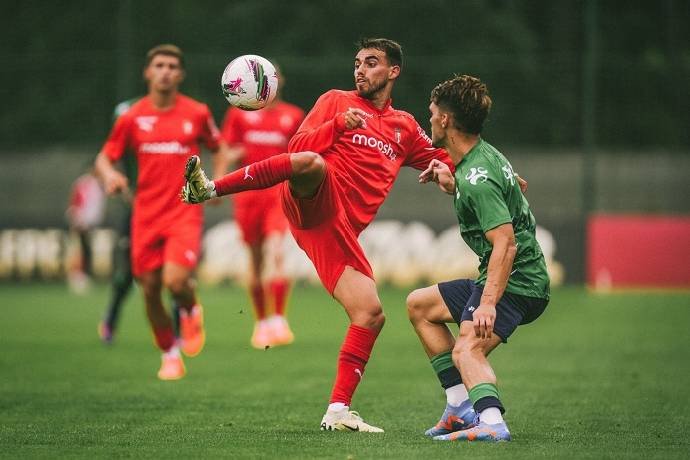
164 129
254 136
350 147
85 212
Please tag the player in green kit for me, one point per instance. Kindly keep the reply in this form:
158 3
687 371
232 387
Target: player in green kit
513 285
122 279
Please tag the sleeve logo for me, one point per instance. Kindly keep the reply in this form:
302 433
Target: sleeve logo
509 174
476 174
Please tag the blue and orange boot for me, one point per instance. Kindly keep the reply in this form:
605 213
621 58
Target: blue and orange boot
480 432
454 418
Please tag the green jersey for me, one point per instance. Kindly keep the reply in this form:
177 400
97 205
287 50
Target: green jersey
129 160
488 195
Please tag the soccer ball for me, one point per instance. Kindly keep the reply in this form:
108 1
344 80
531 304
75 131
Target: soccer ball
249 82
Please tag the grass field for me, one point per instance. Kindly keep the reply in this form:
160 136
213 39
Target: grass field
595 377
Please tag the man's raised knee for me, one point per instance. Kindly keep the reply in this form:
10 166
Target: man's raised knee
307 164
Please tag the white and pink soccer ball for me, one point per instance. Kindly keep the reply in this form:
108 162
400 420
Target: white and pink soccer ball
249 82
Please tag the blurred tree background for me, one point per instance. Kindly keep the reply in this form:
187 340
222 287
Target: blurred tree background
65 64
591 98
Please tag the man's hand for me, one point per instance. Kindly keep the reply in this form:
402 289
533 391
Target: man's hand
439 172
355 118
522 183
115 182
483 320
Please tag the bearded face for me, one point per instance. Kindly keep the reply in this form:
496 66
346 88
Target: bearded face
372 71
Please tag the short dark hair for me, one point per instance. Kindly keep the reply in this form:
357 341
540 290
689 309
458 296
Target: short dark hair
165 49
467 98
392 49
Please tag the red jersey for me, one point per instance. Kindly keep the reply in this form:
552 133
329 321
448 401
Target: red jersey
262 134
366 160
162 141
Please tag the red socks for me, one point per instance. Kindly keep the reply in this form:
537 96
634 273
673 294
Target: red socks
165 338
257 293
259 175
279 290
353 357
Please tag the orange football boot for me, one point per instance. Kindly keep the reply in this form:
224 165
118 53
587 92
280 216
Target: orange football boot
172 366
192 330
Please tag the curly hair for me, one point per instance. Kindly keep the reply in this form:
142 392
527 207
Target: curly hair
467 98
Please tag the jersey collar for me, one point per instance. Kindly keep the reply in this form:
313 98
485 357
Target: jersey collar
472 151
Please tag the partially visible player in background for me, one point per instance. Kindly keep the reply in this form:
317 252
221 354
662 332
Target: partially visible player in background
85 212
254 136
164 129
122 278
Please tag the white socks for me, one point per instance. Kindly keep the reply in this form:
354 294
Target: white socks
337 407
491 415
173 352
456 394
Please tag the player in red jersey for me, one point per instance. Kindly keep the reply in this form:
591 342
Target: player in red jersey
84 213
347 154
164 129
251 137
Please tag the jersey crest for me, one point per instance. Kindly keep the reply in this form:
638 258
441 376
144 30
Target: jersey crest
145 123
187 127
477 174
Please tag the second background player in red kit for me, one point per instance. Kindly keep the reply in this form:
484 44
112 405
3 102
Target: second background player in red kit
254 136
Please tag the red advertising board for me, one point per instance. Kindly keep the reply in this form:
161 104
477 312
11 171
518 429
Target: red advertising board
638 251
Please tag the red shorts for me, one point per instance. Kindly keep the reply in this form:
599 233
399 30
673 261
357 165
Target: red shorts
258 213
155 245
321 228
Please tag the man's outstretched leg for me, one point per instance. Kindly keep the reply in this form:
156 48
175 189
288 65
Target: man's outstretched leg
304 170
357 293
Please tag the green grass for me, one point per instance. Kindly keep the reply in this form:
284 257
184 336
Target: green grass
595 377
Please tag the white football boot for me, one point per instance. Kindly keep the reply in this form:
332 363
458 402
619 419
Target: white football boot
346 420
197 187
